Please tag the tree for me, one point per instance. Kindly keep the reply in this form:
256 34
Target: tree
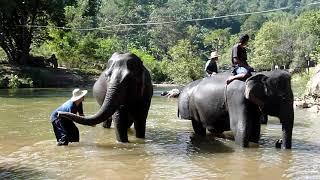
273 45
218 39
15 16
185 66
252 24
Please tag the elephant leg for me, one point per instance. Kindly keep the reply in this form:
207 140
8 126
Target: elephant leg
198 128
130 122
140 119
242 136
242 129
120 118
107 123
264 118
255 124
140 126
255 131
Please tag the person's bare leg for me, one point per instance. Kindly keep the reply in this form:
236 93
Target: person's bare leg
238 76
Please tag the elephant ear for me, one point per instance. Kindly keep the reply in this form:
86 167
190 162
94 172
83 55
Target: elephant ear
256 90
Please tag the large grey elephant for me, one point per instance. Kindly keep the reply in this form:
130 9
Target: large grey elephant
124 91
213 105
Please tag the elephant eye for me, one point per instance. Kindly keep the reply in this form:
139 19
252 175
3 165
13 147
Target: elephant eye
108 73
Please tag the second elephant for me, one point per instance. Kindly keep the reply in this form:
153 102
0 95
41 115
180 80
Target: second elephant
124 91
213 105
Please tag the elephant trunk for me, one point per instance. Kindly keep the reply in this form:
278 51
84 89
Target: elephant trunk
107 109
287 127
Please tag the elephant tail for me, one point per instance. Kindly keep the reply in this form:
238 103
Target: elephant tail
225 97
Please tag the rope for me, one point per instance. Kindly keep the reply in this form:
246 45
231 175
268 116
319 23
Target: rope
168 22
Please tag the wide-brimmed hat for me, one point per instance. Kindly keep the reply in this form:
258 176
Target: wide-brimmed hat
78 94
213 54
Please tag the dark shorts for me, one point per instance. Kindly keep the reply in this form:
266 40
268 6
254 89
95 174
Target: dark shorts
65 130
241 70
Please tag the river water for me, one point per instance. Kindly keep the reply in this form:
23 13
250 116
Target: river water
170 151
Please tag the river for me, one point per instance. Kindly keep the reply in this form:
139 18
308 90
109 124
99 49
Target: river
170 151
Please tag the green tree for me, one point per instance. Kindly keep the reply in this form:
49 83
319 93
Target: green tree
156 68
186 65
218 39
252 24
15 16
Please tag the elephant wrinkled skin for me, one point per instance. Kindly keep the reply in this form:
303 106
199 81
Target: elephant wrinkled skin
124 91
213 105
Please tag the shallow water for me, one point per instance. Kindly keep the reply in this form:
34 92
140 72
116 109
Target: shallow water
170 151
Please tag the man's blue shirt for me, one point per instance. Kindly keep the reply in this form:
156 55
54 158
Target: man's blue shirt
68 106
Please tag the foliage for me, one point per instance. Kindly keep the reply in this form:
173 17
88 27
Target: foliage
15 36
273 45
14 81
218 39
174 50
156 68
308 25
185 65
300 82
106 47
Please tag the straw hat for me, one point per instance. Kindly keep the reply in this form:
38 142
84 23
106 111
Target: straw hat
77 94
213 54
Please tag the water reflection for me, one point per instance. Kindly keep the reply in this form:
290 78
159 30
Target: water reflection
170 151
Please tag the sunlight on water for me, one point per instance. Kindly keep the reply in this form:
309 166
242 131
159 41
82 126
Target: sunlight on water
170 151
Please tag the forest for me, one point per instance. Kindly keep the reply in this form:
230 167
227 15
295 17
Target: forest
173 37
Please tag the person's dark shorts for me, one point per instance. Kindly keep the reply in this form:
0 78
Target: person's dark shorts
65 130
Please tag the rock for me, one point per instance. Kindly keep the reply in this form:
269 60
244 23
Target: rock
173 93
300 104
314 108
314 86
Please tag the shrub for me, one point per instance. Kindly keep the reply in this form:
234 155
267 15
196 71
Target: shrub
14 81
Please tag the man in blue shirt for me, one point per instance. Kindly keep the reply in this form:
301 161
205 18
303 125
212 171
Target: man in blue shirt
65 130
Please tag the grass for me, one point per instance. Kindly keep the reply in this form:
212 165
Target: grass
300 82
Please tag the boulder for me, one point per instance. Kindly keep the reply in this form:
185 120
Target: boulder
314 86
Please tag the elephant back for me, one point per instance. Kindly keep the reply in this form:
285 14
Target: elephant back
99 89
184 100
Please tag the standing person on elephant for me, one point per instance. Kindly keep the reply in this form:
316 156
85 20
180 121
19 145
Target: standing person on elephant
64 129
211 67
241 70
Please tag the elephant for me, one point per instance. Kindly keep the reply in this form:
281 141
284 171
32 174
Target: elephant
212 104
124 91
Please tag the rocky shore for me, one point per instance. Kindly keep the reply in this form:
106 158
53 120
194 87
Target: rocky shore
311 99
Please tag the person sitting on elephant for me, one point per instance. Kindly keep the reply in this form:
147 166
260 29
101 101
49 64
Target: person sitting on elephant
241 70
211 67
64 129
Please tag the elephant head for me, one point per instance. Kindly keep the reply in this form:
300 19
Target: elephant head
124 83
273 94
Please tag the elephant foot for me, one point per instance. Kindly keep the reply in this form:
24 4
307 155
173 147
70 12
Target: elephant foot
278 143
122 142
122 136
217 134
140 135
198 128
264 119
253 144
140 128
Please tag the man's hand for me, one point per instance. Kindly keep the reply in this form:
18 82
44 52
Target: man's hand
230 79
